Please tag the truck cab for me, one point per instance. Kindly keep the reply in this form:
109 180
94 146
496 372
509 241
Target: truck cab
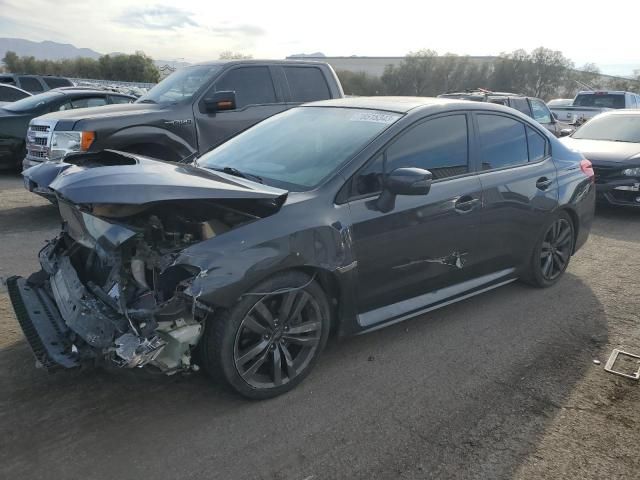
191 111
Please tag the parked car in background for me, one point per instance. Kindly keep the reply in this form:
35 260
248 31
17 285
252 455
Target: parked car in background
588 104
16 141
34 83
530 106
611 141
559 102
348 214
9 93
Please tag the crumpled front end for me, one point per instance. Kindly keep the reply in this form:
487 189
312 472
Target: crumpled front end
110 291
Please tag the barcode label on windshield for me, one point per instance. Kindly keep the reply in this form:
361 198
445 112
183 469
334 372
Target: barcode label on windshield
375 117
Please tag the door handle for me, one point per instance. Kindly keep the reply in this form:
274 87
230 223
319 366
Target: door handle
466 203
543 183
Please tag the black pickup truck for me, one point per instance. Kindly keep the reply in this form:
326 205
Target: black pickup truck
188 113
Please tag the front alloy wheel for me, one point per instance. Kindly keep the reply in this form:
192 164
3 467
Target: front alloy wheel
277 339
268 342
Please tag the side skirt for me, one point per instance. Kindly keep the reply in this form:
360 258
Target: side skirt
400 311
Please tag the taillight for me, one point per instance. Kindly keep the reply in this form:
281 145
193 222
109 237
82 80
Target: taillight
587 168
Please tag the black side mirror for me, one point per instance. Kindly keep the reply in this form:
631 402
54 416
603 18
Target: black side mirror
555 115
220 101
404 181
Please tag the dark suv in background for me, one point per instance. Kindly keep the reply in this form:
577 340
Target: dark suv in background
35 83
530 106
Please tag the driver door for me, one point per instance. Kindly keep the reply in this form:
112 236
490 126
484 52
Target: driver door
427 242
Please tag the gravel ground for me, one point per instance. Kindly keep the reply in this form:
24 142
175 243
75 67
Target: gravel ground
499 386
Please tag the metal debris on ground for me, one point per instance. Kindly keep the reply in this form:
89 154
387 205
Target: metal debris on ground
629 358
596 361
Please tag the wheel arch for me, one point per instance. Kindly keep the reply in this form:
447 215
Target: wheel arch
575 220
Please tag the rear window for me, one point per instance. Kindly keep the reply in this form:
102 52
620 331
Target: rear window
307 84
55 82
30 84
8 94
601 100
522 105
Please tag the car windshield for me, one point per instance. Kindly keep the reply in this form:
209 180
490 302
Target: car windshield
602 100
31 103
180 85
299 148
619 128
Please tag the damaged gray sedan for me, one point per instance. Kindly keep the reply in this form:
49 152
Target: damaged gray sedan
344 216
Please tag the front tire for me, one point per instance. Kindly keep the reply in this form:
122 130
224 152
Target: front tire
552 252
265 345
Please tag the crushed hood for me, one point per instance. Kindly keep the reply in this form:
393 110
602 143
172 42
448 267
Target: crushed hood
120 178
603 150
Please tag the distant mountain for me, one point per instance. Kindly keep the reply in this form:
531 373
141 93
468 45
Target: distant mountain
44 50
304 55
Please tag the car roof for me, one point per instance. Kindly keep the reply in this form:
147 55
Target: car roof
406 104
259 61
603 92
85 91
622 111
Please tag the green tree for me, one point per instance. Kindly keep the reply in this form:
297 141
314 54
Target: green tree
128 68
359 83
229 55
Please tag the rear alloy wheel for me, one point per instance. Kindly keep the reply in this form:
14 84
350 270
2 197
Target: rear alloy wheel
553 252
267 344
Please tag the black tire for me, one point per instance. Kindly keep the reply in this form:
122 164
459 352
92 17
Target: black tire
552 252
238 339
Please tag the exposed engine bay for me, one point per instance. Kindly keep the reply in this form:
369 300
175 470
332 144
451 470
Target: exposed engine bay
112 276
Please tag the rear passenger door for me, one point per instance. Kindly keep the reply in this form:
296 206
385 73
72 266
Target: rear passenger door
256 99
519 188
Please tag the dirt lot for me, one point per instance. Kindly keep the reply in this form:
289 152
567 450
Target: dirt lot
499 386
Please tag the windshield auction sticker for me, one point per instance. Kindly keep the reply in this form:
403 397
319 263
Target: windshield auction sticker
376 117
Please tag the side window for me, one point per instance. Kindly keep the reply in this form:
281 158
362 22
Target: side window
30 84
89 102
84 103
118 99
253 85
538 145
439 145
55 82
369 179
306 84
522 105
503 142
632 100
540 111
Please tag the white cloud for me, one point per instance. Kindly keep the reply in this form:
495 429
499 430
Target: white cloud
200 30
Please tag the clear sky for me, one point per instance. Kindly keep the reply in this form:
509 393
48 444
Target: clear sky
606 33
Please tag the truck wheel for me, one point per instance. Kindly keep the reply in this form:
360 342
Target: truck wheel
552 252
267 344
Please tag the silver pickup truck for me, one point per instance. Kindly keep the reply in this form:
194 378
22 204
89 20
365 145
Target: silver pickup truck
588 104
